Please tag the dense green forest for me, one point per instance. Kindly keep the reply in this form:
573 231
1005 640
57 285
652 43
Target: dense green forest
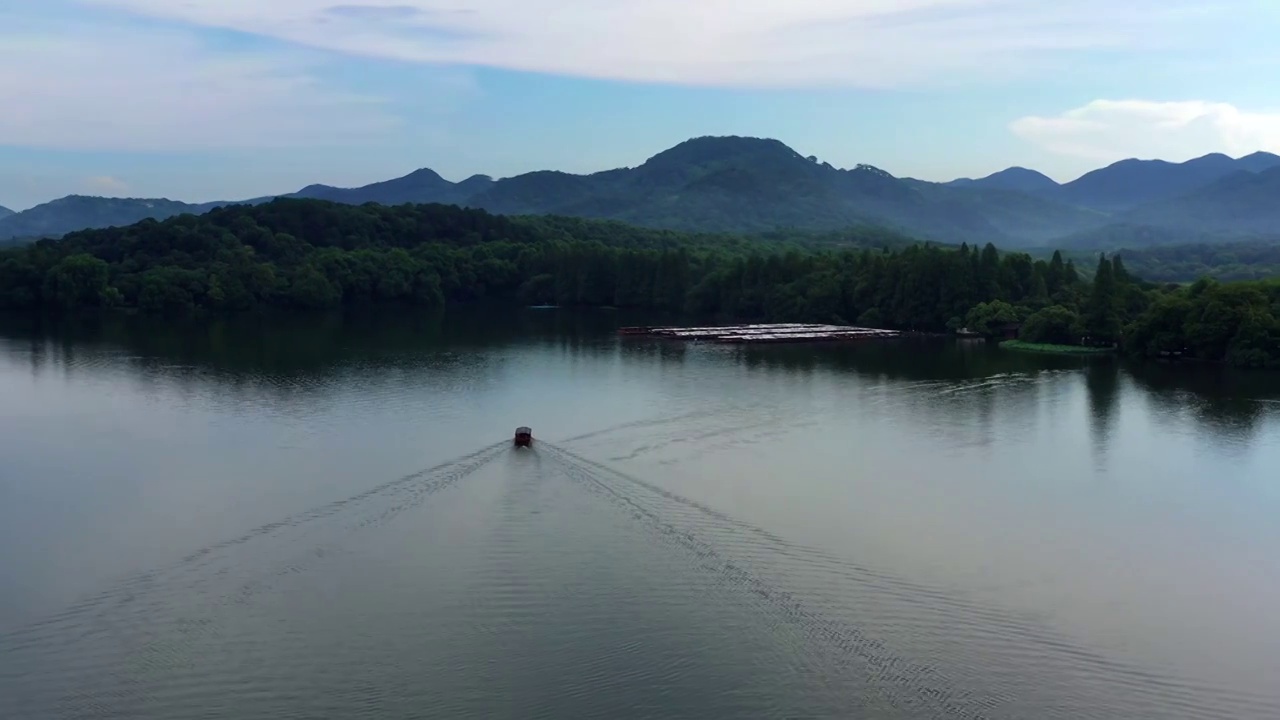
316 254
1251 260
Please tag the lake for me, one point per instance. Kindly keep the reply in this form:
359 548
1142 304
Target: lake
273 517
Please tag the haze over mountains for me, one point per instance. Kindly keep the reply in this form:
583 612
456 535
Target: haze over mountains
749 184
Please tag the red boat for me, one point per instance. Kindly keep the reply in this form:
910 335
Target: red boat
524 437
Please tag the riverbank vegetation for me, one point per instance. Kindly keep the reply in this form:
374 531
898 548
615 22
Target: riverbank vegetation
1024 346
314 255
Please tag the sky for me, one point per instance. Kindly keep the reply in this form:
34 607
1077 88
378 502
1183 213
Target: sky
203 100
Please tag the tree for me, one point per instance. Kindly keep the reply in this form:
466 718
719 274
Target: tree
1056 277
1257 341
79 280
1161 329
986 317
1055 325
1070 276
1117 270
989 272
1101 321
309 288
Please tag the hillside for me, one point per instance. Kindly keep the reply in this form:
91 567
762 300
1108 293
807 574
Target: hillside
1223 261
754 185
1031 219
5 212
1240 204
1131 183
1121 235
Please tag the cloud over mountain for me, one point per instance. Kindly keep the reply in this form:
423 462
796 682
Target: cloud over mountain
1111 130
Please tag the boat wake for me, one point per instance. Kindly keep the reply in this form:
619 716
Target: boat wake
925 651
102 644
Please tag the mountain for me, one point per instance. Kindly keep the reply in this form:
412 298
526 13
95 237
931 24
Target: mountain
1241 207
80 212
5 212
1130 183
1030 219
740 184
76 212
755 185
1259 162
1017 179
1241 204
706 184
423 185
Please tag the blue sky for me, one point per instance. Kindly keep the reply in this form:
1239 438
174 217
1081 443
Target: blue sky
226 99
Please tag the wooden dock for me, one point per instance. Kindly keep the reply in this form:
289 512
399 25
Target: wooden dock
763 333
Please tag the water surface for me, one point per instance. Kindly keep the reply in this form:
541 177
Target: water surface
322 517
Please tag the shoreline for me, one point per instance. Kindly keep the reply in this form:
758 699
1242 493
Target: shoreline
1051 349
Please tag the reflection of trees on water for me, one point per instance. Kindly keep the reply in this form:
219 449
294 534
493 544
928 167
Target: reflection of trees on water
1228 402
908 359
1102 382
283 355
287 356
960 391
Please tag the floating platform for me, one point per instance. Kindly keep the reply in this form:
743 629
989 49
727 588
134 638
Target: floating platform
763 333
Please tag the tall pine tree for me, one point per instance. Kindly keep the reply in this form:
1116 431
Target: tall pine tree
1101 321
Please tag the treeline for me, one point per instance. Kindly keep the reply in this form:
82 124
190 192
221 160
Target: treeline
1232 322
316 255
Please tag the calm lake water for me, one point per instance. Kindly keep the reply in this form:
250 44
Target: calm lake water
323 517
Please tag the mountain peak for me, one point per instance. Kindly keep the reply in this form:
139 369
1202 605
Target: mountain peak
1016 178
713 148
1259 162
1220 161
1130 183
423 174
421 185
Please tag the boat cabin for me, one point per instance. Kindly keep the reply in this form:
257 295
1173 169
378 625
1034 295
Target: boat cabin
524 437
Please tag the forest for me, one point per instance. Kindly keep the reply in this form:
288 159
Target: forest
1245 260
313 254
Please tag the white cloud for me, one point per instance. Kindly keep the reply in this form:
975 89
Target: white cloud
110 89
1110 130
106 185
875 43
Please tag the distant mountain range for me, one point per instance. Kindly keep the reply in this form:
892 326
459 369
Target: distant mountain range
752 185
5 212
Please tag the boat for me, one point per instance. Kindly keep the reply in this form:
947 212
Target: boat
524 437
